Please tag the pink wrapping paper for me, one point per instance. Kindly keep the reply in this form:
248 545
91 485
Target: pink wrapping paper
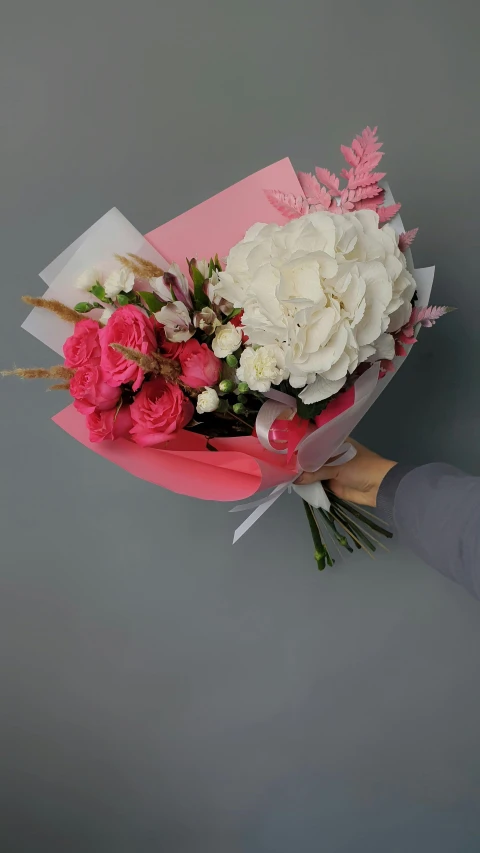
239 469
218 223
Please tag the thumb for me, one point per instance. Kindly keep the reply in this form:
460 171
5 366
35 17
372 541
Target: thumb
326 473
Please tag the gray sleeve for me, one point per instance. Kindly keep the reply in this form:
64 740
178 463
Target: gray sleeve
435 510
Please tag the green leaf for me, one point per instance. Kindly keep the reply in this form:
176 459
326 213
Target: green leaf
98 290
233 314
152 301
83 307
211 267
123 298
199 296
308 411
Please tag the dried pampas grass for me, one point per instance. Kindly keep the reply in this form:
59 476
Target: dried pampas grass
56 307
139 266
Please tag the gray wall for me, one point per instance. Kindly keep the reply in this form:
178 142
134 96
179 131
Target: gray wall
161 691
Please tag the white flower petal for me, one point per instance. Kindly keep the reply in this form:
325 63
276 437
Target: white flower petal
160 288
119 281
384 347
319 332
262 367
321 389
176 321
207 401
339 370
107 312
87 279
227 339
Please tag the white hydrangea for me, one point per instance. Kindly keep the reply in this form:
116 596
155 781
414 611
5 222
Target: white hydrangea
260 367
324 288
207 401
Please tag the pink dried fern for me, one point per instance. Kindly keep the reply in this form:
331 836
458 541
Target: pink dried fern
330 181
406 239
314 193
385 214
362 191
289 205
429 316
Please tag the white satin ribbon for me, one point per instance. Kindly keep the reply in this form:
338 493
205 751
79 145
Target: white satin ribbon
271 410
314 451
313 493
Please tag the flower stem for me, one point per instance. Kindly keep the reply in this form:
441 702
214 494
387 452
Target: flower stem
364 518
321 553
342 540
356 529
237 418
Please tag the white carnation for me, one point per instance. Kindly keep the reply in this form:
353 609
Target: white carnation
118 281
261 367
227 339
87 279
107 312
323 288
207 401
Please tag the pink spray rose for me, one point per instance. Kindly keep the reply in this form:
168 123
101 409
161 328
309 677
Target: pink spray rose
200 367
108 426
83 347
158 411
130 327
91 391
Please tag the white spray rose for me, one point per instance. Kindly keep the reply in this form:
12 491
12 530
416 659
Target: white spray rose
261 367
118 281
323 288
227 339
207 401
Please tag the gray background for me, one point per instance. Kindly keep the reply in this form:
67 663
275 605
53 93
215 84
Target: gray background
161 690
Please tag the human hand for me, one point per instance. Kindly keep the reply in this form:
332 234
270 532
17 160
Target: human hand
358 480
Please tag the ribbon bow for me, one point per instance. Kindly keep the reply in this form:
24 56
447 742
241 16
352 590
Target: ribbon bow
314 446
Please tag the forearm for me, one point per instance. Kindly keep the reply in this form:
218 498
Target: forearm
435 510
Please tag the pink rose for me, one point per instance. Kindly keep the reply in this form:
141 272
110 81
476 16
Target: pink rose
158 411
130 327
83 347
167 348
107 426
90 390
200 367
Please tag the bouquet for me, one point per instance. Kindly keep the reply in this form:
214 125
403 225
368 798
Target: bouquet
239 344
